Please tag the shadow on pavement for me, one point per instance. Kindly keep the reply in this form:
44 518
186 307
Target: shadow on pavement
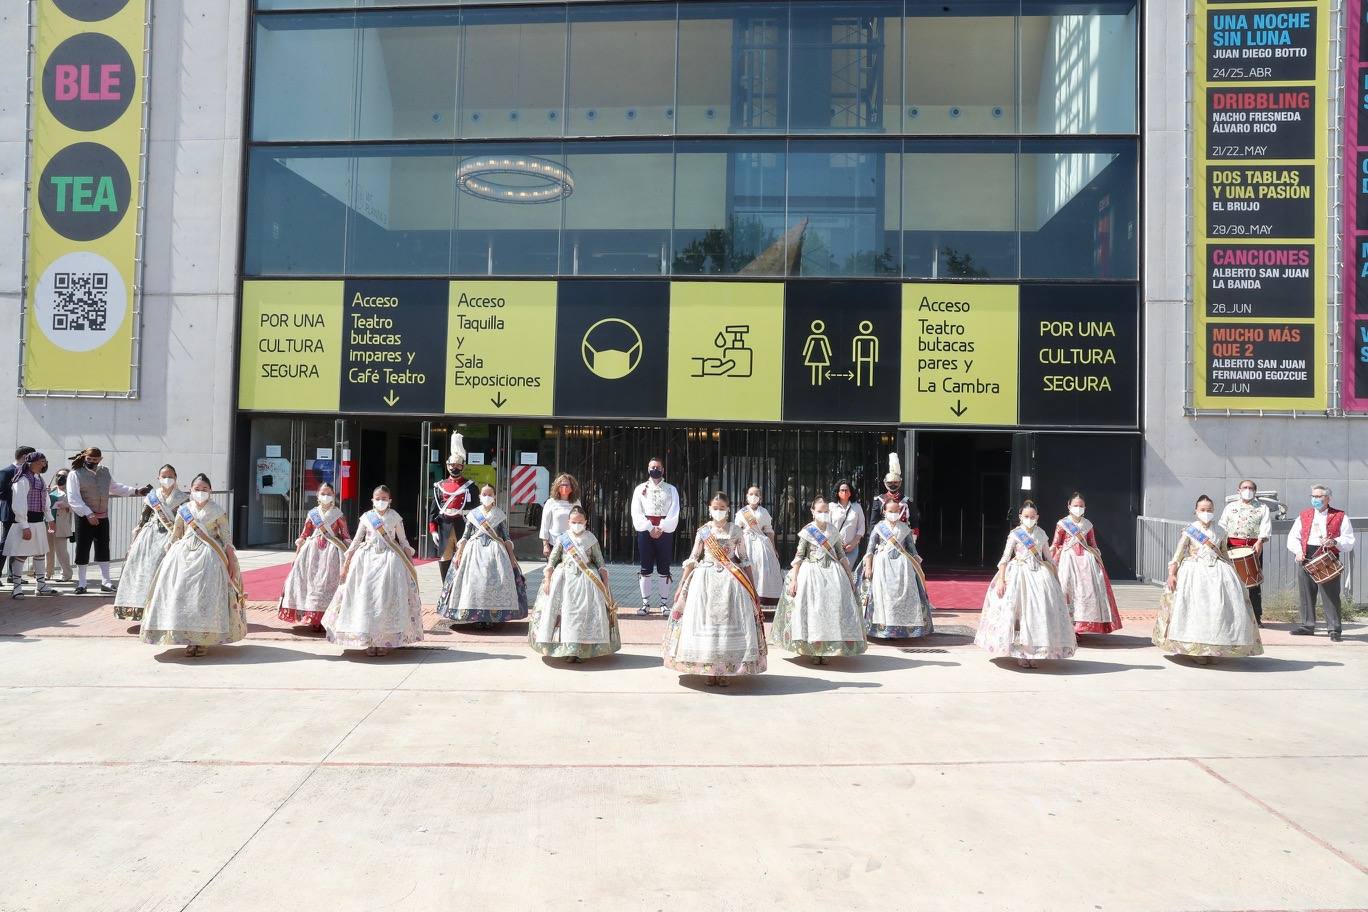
1113 641
771 685
1263 664
869 662
618 661
1069 667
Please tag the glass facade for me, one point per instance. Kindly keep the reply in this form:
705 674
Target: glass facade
948 140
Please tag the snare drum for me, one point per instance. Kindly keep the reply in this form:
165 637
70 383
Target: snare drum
1247 566
1324 567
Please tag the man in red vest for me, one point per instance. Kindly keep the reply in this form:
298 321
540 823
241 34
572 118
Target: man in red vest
1319 527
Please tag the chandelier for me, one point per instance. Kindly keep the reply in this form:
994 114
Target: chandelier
515 179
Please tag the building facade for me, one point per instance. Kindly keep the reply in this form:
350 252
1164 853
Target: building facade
770 242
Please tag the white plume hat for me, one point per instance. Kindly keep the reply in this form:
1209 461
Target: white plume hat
894 468
458 453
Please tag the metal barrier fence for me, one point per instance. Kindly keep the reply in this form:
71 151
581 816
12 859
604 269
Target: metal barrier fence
125 513
1156 540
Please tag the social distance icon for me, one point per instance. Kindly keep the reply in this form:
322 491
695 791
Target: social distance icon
611 348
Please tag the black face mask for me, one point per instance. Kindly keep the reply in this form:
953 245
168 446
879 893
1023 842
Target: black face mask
892 487
656 473
454 471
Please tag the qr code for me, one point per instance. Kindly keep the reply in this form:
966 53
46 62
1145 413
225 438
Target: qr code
82 301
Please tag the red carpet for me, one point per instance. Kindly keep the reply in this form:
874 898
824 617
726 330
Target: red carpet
267 583
958 591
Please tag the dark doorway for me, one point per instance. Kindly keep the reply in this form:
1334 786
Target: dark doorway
964 492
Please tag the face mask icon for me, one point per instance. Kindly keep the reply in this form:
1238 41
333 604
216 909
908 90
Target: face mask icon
611 349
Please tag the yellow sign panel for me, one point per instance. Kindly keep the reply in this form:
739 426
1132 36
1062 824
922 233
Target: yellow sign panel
501 348
959 354
291 355
81 281
726 345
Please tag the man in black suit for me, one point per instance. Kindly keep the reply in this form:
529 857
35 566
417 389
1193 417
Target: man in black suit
7 491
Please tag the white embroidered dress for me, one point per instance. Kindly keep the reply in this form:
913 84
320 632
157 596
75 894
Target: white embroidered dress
147 552
715 627
764 560
1209 612
317 569
573 619
195 599
1030 620
483 586
824 617
377 605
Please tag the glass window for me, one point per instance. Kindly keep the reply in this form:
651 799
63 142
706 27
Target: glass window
733 67
304 81
960 67
348 76
1078 66
498 231
959 210
622 70
1078 209
513 81
402 204
618 220
845 65
729 209
843 207
296 217
345 4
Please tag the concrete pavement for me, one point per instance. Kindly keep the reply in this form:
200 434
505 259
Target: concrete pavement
278 774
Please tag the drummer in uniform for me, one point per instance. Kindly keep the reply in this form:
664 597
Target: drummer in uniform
452 498
1249 524
1319 530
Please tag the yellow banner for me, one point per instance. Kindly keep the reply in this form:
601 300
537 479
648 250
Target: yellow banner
291 346
726 347
960 351
1260 192
501 348
81 275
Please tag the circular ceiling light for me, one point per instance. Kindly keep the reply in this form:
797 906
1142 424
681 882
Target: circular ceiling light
514 179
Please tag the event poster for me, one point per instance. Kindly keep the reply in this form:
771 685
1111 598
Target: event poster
1260 191
81 275
1354 290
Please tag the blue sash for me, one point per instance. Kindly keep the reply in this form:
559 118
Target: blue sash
316 518
1026 538
187 514
1072 527
377 521
1195 533
817 535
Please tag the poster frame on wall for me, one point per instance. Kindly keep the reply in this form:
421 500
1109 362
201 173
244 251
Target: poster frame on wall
1327 73
1348 235
32 101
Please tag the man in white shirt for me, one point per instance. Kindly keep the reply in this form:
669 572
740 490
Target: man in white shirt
1319 527
89 487
1249 524
655 516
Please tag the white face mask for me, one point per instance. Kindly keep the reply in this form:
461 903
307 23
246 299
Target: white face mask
753 499
718 515
821 516
199 497
167 481
487 500
325 499
1205 515
1077 511
893 517
1027 524
1246 494
577 527
380 505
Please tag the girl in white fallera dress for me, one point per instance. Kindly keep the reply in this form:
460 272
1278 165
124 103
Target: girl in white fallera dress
819 614
1082 575
575 617
1205 611
317 570
28 536
377 605
759 544
484 586
716 627
896 602
556 512
1024 615
196 597
148 550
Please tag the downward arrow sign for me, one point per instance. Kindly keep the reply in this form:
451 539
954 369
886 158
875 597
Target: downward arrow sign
499 400
959 408
391 399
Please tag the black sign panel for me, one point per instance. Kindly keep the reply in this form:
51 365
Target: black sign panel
1261 359
1079 355
1273 201
612 349
1261 280
842 351
1358 351
1275 44
1361 193
1358 86
1360 302
394 337
1264 122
